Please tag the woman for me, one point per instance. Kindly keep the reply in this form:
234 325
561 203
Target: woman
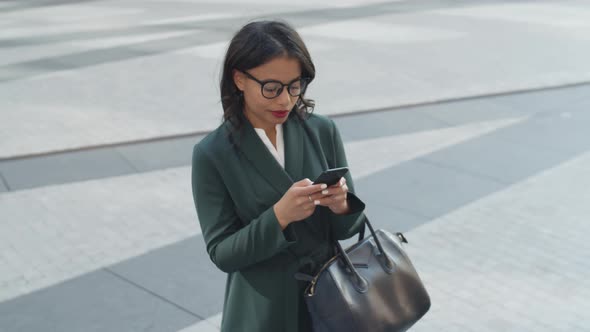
262 218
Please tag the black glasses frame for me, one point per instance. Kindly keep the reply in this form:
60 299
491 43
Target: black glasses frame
302 80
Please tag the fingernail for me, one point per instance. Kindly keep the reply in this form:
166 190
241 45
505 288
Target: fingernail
316 202
325 192
324 186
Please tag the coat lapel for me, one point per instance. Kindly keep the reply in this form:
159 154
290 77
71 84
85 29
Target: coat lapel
253 149
294 139
295 154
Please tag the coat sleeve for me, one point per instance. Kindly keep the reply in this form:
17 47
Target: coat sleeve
345 226
231 243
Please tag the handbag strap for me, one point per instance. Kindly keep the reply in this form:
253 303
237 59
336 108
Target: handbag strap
362 231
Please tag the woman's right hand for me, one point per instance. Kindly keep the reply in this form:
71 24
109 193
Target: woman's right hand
296 205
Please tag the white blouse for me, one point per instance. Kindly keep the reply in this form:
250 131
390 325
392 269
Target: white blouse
279 152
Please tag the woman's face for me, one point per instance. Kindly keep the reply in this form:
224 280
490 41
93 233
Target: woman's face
263 112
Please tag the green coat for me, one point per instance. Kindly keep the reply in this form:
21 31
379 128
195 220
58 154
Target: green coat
234 191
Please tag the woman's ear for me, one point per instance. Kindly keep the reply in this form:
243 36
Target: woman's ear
238 79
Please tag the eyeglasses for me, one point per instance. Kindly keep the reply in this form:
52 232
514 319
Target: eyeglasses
271 88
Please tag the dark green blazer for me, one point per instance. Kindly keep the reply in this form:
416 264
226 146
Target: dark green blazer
235 188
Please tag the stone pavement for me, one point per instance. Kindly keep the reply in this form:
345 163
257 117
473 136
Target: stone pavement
143 70
490 190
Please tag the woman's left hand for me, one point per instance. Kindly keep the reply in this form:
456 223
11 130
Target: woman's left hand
334 197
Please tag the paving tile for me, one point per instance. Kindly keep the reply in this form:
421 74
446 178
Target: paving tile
90 58
23 52
378 124
504 262
183 41
544 100
375 32
3 187
182 273
11 73
424 189
61 168
95 302
470 110
160 154
203 326
212 324
563 132
59 232
498 159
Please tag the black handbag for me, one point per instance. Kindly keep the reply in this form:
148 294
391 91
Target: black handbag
370 287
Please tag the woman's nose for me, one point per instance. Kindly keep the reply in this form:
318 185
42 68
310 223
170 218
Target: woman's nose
284 98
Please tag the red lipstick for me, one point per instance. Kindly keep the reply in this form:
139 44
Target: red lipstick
280 114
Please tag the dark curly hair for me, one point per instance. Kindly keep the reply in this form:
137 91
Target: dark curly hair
256 44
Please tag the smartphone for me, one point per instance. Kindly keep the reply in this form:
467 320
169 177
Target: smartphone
331 176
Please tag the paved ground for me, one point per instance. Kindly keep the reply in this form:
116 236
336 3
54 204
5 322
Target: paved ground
490 185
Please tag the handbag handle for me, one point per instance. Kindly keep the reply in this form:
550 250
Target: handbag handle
360 284
382 257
